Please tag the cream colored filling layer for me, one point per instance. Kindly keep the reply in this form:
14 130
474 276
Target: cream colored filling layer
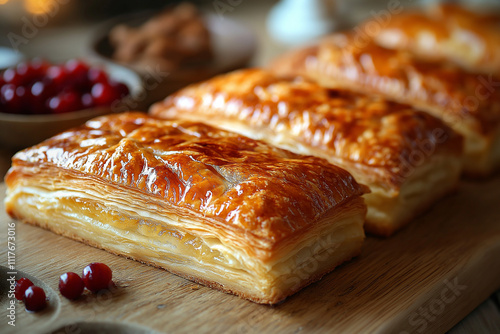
163 239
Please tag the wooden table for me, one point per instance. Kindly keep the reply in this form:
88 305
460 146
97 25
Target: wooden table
72 42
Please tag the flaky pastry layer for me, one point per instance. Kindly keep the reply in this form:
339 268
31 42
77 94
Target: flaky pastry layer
209 205
378 141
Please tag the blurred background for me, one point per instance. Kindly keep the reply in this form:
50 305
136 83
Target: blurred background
65 28
122 37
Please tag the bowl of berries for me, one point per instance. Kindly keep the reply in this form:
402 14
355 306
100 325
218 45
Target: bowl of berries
39 99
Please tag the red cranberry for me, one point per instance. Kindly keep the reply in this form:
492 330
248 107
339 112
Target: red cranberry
57 75
87 100
55 105
11 76
37 87
34 298
97 75
77 71
32 71
97 276
22 69
21 285
37 94
121 89
65 102
40 90
103 94
21 91
6 91
21 96
39 65
71 285
76 67
73 99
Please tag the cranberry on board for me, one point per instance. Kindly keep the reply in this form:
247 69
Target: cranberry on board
97 276
34 298
21 285
71 285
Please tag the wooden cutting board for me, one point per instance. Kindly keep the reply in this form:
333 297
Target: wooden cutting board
423 280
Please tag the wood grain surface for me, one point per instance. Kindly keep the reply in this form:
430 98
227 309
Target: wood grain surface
425 279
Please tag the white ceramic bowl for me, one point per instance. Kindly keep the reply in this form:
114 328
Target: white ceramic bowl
19 131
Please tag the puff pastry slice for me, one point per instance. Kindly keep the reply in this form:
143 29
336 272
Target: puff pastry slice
215 207
467 102
407 158
447 32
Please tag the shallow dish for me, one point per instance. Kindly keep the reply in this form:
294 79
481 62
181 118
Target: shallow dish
19 130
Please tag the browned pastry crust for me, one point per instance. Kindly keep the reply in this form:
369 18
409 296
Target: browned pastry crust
443 32
465 101
374 139
210 205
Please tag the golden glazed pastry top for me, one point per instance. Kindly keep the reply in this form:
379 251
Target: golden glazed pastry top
367 67
367 131
231 181
443 32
